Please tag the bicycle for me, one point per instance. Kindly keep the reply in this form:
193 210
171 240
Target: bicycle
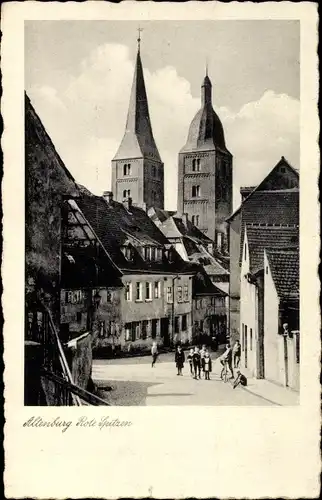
224 372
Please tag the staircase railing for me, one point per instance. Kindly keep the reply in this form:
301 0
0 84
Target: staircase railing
56 376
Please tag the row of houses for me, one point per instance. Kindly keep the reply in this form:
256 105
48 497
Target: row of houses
105 271
264 276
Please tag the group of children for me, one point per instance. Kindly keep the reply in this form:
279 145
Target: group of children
200 361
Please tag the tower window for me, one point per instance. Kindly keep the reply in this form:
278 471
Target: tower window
195 220
196 165
195 191
126 193
127 169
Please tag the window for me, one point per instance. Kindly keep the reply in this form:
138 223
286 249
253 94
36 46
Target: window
154 327
126 193
157 289
127 169
135 330
78 317
153 171
138 295
201 325
179 293
127 252
266 270
282 170
245 251
148 291
101 329
144 329
243 336
196 165
127 329
219 241
184 322
186 293
195 220
176 324
251 338
195 191
128 292
169 295
74 297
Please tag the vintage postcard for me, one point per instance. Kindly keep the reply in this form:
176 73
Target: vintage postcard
160 256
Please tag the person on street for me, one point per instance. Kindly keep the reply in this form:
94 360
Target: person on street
196 363
179 359
190 359
227 358
154 352
236 353
240 379
207 365
202 356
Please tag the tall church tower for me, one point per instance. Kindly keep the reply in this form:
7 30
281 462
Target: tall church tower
205 172
137 169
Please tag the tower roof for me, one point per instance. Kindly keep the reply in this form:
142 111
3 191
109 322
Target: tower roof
206 130
138 138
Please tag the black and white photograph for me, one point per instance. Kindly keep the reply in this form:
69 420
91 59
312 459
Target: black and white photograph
162 182
160 249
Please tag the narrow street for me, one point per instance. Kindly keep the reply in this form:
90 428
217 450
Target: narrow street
161 386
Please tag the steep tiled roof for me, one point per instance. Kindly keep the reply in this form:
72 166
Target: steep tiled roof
261 237
197 253
269 180
202 285
116 226
87 267
270 208
284 265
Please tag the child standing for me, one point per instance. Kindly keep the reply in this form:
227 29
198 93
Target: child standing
196 363
179 359
207 365
190 359
154 352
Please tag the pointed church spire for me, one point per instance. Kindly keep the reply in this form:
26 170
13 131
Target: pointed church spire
138 139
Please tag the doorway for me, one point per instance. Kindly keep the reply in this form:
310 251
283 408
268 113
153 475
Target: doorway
165 331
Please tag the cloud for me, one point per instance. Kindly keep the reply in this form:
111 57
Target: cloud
86 121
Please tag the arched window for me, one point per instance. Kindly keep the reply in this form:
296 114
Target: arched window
195 191
194 164
198 165
127 169
126 193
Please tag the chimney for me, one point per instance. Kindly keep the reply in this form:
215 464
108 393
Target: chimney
128 203
108 197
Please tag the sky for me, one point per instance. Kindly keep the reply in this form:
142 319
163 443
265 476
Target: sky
78 75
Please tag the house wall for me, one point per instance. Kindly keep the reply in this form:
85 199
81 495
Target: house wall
273 342
234 278
248 316
146 310
46 182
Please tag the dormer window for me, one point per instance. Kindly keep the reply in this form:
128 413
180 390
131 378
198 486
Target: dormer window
127 169
195 191
152 253
127 252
